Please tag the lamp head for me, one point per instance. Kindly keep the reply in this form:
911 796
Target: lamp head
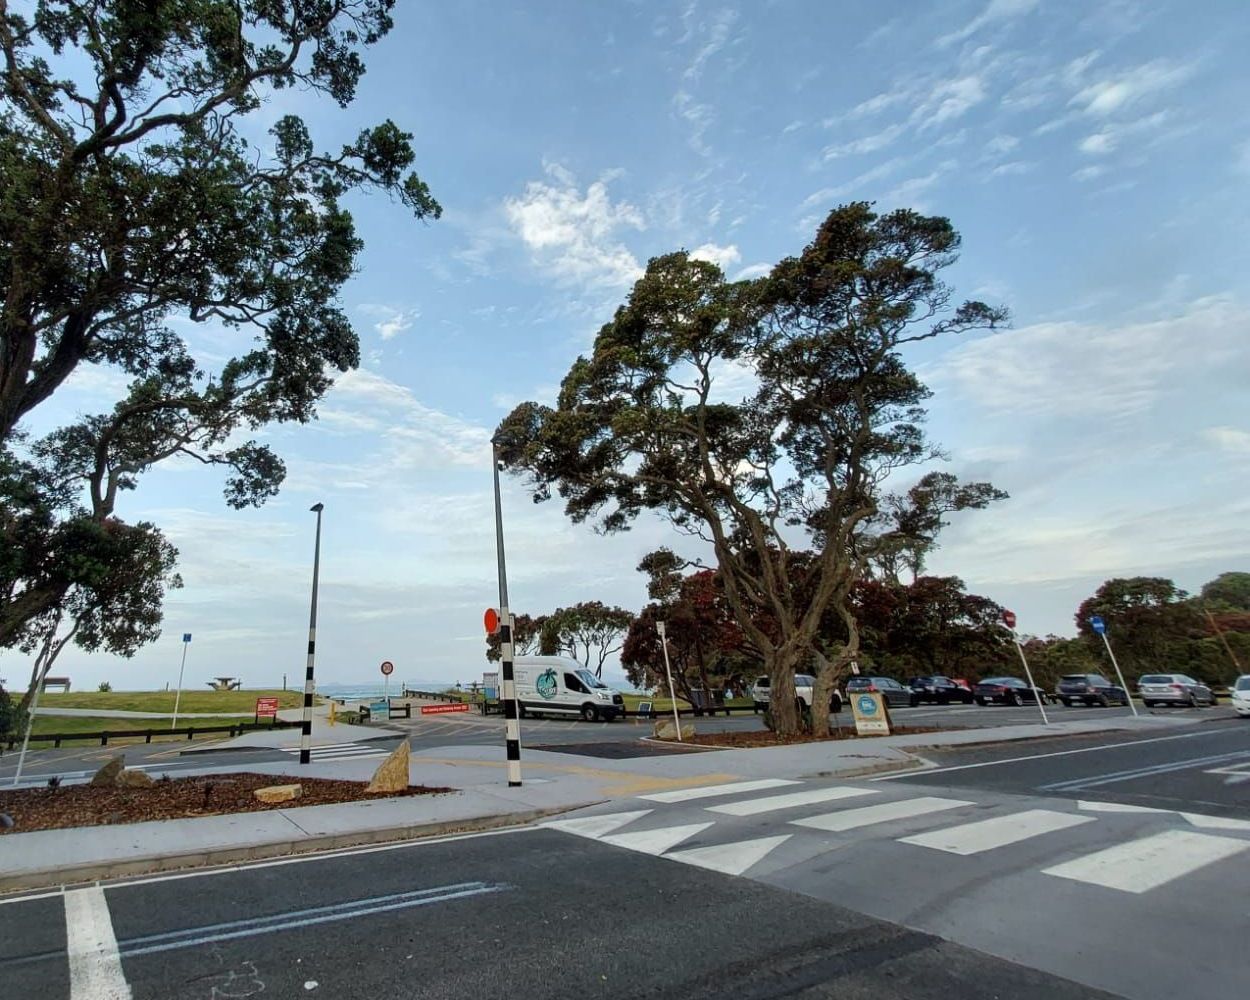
317 508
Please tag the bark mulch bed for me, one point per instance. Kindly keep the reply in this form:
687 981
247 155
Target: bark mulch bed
177 798
765 738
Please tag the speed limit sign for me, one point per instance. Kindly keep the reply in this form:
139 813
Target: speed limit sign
388 668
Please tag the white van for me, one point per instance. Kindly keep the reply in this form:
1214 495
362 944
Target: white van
558 685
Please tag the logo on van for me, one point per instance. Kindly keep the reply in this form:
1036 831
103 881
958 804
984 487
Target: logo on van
547 683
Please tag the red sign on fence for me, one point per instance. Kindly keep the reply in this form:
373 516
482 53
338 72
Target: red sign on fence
455 706
266 708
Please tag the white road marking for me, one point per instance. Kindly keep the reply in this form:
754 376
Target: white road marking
999 831
852 819
1112 777
1116 807
752 807
596 826
1037 756
730 859
1204 822
1150 862
95 968
711 791
655 841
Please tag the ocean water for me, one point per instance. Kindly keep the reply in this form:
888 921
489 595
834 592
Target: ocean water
361 692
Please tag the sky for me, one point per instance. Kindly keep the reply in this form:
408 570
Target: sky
1095 158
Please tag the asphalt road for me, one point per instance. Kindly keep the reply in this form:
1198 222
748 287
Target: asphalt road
533 914
1205 769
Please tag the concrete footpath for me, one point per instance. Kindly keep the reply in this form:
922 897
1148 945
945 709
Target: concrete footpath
552 783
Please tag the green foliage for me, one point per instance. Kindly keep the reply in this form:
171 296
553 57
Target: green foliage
130 203
12 717
1227 592
104 687
802 457
590 632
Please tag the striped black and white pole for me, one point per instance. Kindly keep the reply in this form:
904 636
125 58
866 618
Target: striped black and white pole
511 710
305 739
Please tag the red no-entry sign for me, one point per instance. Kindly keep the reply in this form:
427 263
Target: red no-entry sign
1009 618
491 621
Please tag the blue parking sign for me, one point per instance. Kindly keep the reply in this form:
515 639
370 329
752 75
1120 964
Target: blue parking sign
1097 624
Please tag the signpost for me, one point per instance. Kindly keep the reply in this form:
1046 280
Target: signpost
871 716
388 668
266 708
1009 619
455 706
661 627
186 641
1098 625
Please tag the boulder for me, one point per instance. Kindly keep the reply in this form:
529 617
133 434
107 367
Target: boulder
666 729
135 779
279 793
107 775
392 773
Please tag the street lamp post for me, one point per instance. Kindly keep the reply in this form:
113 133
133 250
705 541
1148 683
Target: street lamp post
305 739
511 713
662 628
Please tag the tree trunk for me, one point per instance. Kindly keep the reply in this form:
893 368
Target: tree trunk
829 673
779 665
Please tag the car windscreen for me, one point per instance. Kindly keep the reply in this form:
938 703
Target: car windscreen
590 680
1155 679
1077 678
1243 683
994 680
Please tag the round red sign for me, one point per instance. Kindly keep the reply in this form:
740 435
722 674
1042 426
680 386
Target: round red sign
491 621
388 667
1009 617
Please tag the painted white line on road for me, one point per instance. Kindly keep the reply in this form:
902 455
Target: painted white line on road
711 791
1204 822
752 807
595 826
1116 807
1150 862
1113 777
730 859
655 841
999 831
853 819
1037 756
95 968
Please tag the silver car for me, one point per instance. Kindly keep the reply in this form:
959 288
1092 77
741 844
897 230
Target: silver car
1173 689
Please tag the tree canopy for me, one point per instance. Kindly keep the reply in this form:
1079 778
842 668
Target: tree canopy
134 211
650 421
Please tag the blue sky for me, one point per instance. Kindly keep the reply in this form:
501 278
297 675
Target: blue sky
1096 158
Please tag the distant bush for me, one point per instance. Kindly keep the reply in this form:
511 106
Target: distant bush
12 720
105 687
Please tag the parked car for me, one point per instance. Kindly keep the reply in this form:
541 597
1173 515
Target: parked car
803 685
1089 689
1241 696
891 690
940 690
1173 689
1006 691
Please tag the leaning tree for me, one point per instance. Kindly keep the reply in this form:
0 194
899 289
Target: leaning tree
147 224
656 419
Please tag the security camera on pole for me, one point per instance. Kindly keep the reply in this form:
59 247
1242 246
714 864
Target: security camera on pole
1009 619
1100 626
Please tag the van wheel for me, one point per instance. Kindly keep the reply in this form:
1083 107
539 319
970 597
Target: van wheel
590 713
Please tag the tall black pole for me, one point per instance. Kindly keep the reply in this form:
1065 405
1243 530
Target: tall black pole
305 740
512 721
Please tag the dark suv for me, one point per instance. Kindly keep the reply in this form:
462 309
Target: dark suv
941 690
1090 689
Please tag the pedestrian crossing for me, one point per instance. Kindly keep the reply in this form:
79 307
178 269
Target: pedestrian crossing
1068 844
342 751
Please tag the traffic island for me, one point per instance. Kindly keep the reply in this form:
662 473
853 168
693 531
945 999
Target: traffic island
59 808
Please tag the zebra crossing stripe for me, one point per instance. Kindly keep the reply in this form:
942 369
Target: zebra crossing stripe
712 791
596 826
999 831
730 859
655 841
753 807
853 819
1149 862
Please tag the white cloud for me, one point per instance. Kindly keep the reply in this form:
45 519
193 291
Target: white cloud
753 271
1011 168
866 144
1001 144
574 235
718 34
1114 93
994 12
1089 173
722 257
1098 144
1230 439
391 322
700 118
949 99
1074 369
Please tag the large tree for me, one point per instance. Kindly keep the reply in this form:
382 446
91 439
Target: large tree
1151 623
134 211
801 459
1227 592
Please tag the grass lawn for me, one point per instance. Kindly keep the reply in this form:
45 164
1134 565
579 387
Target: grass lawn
163 701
